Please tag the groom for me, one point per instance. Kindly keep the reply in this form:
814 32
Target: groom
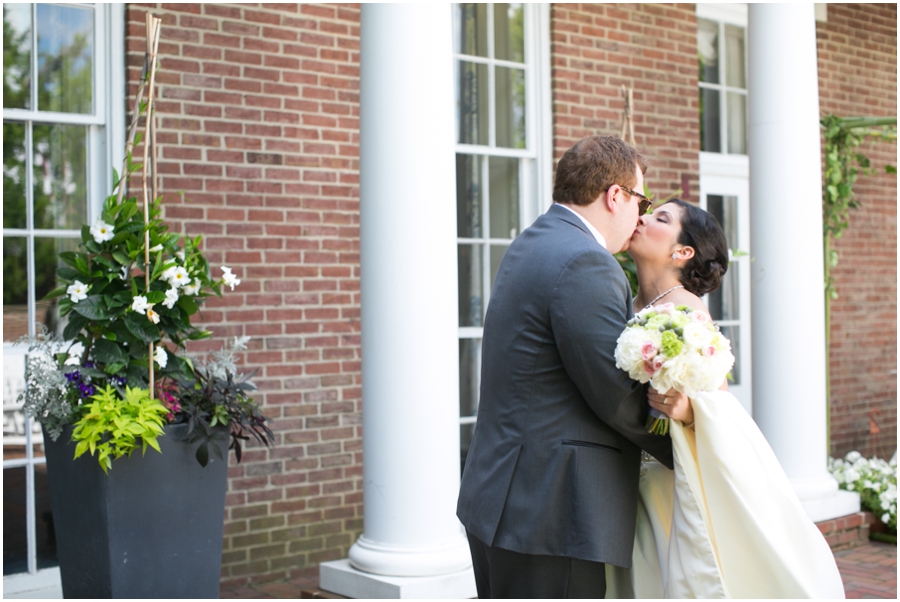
550 487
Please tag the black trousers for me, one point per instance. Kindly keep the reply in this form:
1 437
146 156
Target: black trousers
503 573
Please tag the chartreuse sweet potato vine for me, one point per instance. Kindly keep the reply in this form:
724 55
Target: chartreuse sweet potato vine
112 426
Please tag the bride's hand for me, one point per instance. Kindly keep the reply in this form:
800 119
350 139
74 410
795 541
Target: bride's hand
673 404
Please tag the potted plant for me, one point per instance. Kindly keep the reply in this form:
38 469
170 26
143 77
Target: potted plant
136 430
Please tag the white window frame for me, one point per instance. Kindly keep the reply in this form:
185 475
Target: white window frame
726 14
106 149
538 154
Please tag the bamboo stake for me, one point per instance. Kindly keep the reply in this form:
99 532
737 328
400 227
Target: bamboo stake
132 132
152 44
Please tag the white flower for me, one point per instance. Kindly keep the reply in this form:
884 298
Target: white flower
161 357
123 273
886 518
180 255
229 279
697 335
171 297
72 360
853 456
191 289
177 276
101 231
152 315
140 304
156 249
77 291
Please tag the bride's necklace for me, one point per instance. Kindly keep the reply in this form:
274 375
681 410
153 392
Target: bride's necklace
658 297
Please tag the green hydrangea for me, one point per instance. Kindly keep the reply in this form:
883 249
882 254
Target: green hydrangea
671 344
657 321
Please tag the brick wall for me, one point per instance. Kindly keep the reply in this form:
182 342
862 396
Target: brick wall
596 49
858 77
259 128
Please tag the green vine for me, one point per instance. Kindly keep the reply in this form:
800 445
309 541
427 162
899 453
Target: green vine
843 165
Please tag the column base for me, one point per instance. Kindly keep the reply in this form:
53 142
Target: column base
340 578
840 503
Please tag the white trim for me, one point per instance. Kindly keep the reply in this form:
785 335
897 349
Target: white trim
545 110
729 166
735 14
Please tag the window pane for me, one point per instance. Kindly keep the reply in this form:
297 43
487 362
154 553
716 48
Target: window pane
65 58
504 197
725 210
733 334
15 543
510 107
725 301
734 56
469 376
708 50
60 176
17 56
468 196
737 123
497 253
14 175
46 262
15 288
509 32
470 22
471 297
472 103
710 130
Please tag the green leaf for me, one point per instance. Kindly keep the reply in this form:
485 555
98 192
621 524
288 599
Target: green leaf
93 308
155 297
187 303
141 327
108 352
69 274
890 169
121 257
81 265
60 290
203 454
75 325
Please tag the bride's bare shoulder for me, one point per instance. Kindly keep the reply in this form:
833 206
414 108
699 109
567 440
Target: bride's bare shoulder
685 297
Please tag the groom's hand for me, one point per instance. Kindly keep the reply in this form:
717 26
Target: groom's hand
673 404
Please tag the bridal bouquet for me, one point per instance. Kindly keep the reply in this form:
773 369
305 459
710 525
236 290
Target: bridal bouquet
673 348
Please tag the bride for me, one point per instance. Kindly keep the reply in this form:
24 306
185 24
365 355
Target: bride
725 523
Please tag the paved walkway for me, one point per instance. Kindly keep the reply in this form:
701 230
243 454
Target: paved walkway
869 571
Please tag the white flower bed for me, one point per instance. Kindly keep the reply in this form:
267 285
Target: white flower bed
874 479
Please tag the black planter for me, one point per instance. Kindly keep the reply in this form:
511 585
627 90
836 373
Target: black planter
151 528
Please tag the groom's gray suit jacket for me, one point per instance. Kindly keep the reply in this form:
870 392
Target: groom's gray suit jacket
554 463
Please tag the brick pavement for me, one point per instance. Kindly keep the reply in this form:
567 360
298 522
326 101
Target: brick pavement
869 571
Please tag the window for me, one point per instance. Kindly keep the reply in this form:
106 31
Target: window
721 58
501 54
61 135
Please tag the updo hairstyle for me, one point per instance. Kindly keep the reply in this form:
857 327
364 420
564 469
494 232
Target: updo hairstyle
703 272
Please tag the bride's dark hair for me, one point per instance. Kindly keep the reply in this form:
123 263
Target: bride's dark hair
699 229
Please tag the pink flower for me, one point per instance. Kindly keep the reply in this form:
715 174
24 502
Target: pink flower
648 351
699 316
709 351
658 362
665 308
648 368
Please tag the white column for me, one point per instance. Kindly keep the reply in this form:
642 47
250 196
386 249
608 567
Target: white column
413 544
788 309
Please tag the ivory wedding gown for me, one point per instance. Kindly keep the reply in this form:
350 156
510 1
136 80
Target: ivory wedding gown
726 522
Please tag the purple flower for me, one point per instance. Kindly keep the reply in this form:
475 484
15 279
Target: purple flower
87 390
89 364
73 377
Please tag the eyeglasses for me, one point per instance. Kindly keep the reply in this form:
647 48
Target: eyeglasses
644 201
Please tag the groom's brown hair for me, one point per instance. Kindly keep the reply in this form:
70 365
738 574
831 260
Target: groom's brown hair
592 165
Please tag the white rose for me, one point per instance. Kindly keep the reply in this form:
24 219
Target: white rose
696 335
101 231
628 353
77 291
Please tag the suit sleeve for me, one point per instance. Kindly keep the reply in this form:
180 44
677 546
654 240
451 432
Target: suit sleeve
588 313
